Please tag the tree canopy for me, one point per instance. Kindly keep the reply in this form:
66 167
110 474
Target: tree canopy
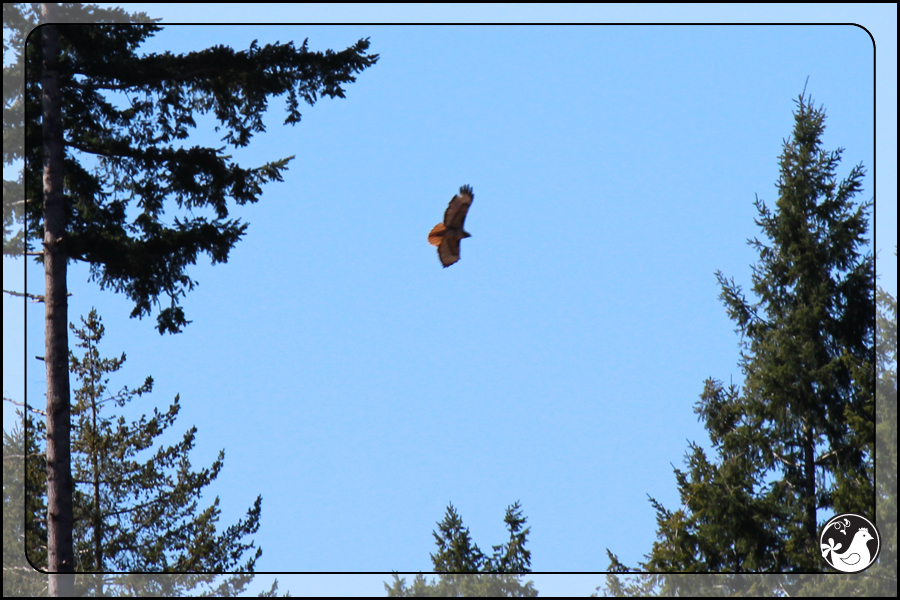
796 440
465 570
111 177
136 503
129 158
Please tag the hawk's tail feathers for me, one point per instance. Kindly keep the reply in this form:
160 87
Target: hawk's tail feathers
436 235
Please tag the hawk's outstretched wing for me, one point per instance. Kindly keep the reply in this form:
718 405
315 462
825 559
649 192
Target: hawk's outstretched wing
448 251
446 235
455 215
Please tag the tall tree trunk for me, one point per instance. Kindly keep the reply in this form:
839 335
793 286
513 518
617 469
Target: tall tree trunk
60 553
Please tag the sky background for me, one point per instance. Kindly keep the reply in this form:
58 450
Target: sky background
359 387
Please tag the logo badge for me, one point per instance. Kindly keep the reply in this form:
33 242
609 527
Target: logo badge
850 543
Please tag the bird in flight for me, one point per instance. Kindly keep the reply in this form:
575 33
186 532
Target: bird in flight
446 235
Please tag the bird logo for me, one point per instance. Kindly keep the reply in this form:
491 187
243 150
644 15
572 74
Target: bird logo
859 554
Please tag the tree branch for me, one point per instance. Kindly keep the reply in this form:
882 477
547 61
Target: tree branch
22 404
33 297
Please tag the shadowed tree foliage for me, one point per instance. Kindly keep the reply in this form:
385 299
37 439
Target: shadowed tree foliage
881 578
112 179
466 571
129 161
886 444
878 580
457 553
136 502
23 494
797 440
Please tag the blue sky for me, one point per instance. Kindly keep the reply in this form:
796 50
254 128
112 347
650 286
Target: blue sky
359 387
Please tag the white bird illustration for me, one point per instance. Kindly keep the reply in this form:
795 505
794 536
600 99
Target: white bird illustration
856 557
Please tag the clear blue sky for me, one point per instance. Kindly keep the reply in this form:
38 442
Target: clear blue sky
359 387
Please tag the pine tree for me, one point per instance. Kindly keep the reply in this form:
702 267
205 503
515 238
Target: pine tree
457 553
798 437
89 98
136 502
512 557
466 571
23 494
885 572
881 578
883 575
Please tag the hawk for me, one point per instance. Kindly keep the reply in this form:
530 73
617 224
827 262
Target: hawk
446 235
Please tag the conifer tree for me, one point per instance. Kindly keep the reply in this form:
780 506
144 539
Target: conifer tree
136 502
881 578
23 493
86 97
456 553
466 571
798 437
878 580
512 557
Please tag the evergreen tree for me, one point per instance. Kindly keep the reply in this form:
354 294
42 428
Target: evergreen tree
456 551
466 571
798 437
885 571
878 580
881 578
23 494
86 97
512 557
136 503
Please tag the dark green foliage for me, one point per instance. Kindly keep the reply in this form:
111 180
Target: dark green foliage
127 122
797 439
456 551
885 572
125 191
136 503
458 554
881 578
19 22
458 585
146 516
512 557
466 571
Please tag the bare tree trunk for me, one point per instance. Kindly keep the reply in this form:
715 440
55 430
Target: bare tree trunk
60 553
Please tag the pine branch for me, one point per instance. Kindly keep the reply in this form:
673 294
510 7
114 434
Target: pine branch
33 297
30 408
